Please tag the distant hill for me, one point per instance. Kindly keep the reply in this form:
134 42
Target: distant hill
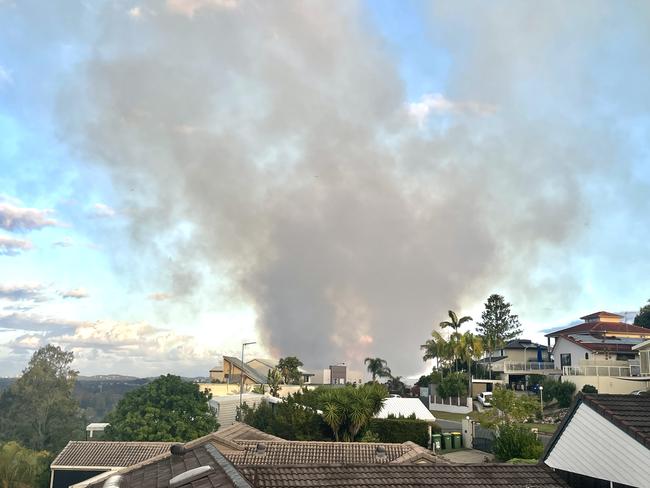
108 377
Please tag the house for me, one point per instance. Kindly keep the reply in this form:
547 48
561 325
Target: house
604 440
235 372
204 463
263 366
80 460
601 352
643 349
517 360
84 462
225 406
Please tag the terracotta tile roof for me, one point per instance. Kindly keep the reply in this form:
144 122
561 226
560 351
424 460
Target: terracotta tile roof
406 476
602 327
108 454
630 413
602 313
311 452
241 431
157 472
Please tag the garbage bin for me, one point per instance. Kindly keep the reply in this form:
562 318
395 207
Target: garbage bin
446 440
456 439
436 440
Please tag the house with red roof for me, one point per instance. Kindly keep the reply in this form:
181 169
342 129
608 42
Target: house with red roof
600 352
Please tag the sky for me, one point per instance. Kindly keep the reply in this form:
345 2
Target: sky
326 179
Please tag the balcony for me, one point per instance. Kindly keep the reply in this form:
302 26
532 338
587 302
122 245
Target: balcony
529 367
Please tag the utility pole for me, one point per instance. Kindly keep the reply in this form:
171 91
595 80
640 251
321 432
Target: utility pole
541 400
241 376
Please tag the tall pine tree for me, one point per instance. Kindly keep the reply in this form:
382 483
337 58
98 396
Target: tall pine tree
498 325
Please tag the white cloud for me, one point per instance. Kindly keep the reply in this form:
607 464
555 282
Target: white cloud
37 323
22 292
189 7
437 103
10 246
75 293
103 211
15 218
135 12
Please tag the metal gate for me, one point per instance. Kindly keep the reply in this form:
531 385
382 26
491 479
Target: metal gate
483 439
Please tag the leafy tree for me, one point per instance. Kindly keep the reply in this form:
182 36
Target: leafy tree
274 378
377 367
39 409
516 441
426 380
288 367
562 392
453 385
498 324
643 317
510 407
167 409
396 385
23 468
290 419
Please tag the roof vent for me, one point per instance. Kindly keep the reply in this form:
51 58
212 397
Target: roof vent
114 481
380 451
188 476
178 450
260 449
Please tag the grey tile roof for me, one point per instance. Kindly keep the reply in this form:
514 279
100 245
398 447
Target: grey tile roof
405 475
241 431
311 452
108 454
158 471
630 413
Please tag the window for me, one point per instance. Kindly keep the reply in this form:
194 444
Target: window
586 355
565 359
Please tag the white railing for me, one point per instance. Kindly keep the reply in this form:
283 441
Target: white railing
596 370
510 366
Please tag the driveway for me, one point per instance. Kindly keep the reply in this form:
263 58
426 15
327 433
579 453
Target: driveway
448 425
468 456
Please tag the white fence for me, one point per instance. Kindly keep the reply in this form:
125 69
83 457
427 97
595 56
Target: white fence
596 371
451 404
511 366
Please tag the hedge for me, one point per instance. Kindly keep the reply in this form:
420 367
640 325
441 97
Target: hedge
402 430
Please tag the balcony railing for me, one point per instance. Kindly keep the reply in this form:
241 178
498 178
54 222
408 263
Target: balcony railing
511 366
596 370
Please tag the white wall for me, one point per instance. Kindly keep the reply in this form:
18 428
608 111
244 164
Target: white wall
562 346
607 384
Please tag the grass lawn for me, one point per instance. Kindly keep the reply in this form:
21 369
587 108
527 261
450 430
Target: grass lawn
452 416
458 417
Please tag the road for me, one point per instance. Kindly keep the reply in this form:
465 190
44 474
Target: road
448 425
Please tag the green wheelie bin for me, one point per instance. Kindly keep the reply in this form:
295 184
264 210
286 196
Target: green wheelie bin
456 439
446 440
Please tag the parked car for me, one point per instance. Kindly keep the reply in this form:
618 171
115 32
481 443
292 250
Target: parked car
639 392
485 398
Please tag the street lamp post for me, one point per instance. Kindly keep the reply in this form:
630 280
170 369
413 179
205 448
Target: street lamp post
241 375
541 400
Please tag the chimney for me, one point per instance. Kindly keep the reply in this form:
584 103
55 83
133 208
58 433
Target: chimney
178 450
380 452
260 449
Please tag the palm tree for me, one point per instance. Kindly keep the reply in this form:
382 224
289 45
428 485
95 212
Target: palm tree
455 324
438 348
377 367
471 348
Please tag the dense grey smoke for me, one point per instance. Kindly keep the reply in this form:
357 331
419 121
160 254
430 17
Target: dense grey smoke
273 143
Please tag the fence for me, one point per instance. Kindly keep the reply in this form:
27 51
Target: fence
510 366
596 371
451 404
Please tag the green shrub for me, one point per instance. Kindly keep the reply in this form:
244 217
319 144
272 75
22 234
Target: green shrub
288 420
589 389
402 430
453 385
516 441
370 436
564 393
